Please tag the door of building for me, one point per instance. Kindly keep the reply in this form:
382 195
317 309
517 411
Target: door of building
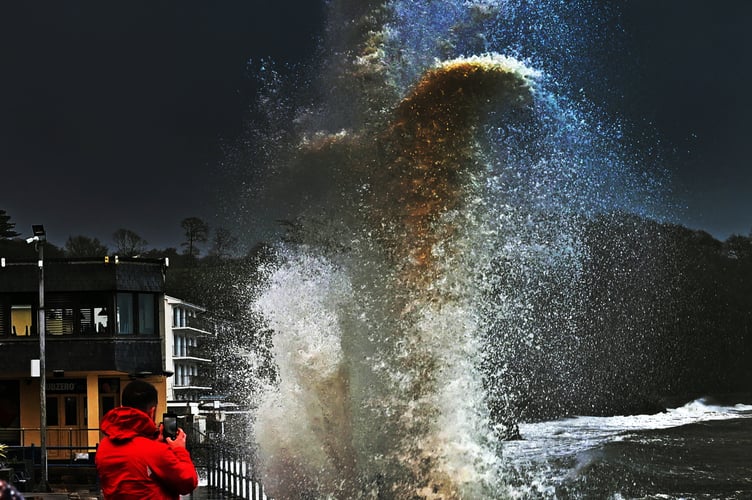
66 419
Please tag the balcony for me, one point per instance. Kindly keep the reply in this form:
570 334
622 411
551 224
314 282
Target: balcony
189 384
197 325
184 352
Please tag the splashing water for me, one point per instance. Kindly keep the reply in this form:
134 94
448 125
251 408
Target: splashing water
442 261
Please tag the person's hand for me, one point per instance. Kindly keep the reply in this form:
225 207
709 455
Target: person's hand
179 441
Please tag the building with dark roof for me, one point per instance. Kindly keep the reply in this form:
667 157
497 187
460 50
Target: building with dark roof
105 323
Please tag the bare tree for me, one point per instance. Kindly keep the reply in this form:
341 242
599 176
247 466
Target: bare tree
224 243
83 246
128 243
196 231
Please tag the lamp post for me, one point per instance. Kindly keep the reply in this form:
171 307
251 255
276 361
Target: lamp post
38 239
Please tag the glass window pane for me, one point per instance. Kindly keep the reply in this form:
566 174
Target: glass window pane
86 320
59 321
92 316
125 313
146 319
71 410
20 319
52 416
101 317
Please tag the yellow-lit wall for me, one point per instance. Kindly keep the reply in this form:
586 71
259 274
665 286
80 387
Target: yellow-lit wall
30 405
92 408
30 409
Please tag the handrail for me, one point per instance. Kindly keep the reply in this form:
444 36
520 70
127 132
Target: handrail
68 438
4 431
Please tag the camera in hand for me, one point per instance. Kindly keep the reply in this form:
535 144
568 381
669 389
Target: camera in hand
169 425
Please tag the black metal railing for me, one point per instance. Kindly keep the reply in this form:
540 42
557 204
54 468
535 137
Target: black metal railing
64 444
233 474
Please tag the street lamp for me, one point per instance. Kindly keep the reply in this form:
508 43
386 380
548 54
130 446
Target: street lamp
38 239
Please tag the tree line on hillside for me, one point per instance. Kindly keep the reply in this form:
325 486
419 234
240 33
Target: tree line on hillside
127 243
662 316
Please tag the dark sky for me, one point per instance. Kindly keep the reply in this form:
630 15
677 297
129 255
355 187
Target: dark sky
113 114
694 63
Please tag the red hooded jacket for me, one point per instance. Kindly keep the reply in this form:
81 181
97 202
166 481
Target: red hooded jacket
133 463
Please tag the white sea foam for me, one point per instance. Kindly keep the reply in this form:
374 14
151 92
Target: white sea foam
571 435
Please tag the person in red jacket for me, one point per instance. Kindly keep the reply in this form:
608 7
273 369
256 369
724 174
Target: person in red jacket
134 460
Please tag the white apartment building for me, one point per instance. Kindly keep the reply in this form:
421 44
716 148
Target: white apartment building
184 333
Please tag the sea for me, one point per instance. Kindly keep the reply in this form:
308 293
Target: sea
701 450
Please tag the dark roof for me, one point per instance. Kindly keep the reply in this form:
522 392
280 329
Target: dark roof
73 275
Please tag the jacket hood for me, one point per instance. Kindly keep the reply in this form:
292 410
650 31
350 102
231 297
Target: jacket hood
124 423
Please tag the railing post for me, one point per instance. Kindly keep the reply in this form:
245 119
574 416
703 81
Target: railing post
218 464
212 466
223 476
248 483
235 475
209 465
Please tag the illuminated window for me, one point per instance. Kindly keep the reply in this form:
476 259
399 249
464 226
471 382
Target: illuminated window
92 315
20 319
59 321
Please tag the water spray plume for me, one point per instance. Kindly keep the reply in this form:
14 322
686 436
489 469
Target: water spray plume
431 144
437 251
416 360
